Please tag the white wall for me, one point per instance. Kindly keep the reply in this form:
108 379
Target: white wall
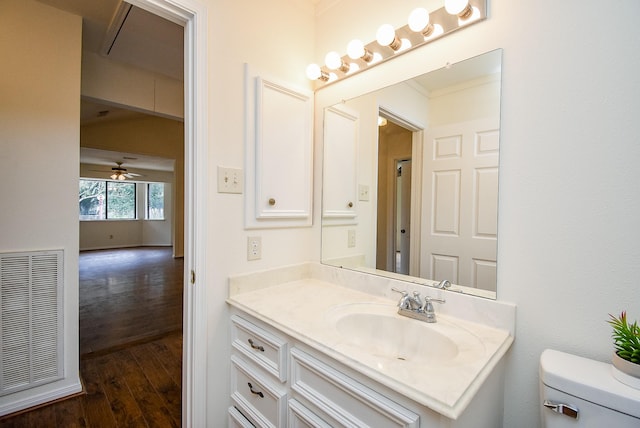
39 156
569 183
274 37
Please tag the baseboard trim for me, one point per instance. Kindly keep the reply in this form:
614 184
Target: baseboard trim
48 397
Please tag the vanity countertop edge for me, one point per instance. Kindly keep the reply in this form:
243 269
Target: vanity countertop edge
295 298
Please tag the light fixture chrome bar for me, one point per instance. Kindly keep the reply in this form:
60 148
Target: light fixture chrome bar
443 23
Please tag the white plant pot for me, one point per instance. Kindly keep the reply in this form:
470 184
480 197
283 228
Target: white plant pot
626 371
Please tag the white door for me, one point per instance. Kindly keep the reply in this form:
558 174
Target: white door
461 203
403 216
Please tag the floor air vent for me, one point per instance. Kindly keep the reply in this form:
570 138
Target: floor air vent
30 319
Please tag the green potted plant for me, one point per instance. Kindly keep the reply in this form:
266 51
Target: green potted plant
626 341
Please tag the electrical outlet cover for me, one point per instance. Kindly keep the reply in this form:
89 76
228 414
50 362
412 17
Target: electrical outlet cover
254 248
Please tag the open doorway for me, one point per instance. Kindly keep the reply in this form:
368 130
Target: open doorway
395 148
135 269
186 14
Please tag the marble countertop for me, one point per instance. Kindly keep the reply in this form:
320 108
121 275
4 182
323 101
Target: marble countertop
304 308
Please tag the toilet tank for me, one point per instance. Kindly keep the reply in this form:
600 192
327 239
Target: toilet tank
589 388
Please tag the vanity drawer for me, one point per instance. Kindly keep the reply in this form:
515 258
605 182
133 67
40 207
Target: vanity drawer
260 400
344 400
260 346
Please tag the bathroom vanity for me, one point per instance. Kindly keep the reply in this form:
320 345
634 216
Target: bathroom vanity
320 346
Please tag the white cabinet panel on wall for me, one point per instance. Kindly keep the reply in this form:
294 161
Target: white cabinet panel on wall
340 165
279 147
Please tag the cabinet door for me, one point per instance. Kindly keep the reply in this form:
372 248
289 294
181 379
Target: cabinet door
340 165
301 417
279 147
347 402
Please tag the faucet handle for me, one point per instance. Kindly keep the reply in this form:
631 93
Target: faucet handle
403 302
427 307
428 310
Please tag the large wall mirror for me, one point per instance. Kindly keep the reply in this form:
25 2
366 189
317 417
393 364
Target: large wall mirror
410 178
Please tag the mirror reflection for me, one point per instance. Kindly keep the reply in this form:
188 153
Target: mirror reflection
410 178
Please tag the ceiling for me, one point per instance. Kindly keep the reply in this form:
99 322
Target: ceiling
131 161
124 33
128 34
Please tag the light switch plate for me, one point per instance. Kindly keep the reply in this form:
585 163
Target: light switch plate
229 180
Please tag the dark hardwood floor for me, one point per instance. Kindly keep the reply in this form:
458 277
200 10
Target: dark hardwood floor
127 295
130 341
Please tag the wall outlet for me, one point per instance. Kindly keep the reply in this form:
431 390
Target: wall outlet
254 248
351 238
229 180
363 192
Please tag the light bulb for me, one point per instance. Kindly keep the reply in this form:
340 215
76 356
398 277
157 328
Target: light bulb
418 19
313 71
460 8
332 60
356 50
382 121
386 36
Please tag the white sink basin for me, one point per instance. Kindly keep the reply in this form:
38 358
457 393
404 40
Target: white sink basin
377 330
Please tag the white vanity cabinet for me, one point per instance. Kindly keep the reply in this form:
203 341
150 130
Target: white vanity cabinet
278 381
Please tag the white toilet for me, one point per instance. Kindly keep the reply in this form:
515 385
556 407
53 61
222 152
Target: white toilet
578 392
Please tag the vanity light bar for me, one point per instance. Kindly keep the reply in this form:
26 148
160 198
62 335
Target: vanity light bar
441 22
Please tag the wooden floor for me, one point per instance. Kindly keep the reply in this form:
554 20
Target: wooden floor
130 341
127 295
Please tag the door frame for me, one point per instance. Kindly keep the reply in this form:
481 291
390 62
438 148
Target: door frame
192 15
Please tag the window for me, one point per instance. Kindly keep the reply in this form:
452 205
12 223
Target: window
155 201
104 200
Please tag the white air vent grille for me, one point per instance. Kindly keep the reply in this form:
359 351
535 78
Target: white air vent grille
30 319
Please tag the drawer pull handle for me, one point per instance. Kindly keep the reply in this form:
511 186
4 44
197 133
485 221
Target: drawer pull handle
259 348
258 393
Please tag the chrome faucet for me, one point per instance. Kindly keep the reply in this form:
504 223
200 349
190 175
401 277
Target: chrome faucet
409 302
444 284
412 306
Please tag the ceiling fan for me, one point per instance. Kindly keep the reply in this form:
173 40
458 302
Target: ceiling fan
120 173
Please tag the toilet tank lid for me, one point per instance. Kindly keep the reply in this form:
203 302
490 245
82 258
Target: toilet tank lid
588 379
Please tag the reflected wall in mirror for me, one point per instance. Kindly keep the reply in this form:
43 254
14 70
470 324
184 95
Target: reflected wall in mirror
410 178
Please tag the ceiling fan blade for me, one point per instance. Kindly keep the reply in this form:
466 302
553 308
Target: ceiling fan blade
133 174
